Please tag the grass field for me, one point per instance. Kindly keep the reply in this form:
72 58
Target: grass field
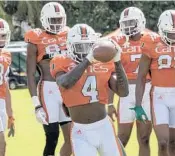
29 138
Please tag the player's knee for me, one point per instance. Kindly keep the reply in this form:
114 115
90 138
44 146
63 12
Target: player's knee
163 144
124 139
143 140
52 138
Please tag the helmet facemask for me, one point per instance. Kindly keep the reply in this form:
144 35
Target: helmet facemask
168 36
78 51
80 40
130 27
54 24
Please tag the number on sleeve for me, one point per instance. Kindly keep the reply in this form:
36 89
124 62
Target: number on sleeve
90 88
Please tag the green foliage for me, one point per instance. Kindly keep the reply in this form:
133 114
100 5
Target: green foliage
103 16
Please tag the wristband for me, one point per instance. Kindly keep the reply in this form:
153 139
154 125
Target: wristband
110 104
36 101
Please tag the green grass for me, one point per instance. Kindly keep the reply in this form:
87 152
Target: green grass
29 138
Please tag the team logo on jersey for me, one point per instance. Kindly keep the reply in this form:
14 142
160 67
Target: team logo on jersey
97 68
131 49
164 49
94 68
46 40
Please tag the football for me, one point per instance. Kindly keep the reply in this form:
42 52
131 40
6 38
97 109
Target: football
104 51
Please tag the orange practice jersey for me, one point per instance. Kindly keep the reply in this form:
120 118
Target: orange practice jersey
91 87
48 45
131 54
5 61
163 61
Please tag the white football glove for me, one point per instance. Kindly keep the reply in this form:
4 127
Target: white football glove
41 115
90 56
119 50
117 56
39 111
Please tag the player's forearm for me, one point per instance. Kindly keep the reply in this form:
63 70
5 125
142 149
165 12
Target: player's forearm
8 103
32 84
140 89
69 79
122 86
111 96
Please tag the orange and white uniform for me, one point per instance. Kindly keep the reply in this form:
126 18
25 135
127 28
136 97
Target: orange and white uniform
130 57
162 69
5 61
91 87
49 46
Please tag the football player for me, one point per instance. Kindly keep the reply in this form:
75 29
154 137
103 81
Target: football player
132 27
84 86
158 57
43 44
5 97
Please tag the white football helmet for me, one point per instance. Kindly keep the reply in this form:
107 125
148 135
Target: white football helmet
166 26
80 40
132 21
4 33
53 17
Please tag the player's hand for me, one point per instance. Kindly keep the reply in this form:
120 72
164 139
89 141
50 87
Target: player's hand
90 56
118 53
11 127
140 114
112 112
41 115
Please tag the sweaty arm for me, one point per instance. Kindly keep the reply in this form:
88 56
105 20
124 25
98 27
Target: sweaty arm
9 112
67 80
31 68
144 66
8 102
118 81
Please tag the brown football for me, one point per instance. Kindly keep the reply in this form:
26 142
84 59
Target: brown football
104 51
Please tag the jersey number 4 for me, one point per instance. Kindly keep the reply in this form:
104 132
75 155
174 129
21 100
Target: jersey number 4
90 88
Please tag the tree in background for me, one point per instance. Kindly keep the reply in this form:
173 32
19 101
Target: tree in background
103 16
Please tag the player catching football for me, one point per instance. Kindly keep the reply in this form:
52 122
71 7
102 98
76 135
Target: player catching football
132 27
158 57
84 85
5 98
42 46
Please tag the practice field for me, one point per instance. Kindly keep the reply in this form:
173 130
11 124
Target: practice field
29 138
